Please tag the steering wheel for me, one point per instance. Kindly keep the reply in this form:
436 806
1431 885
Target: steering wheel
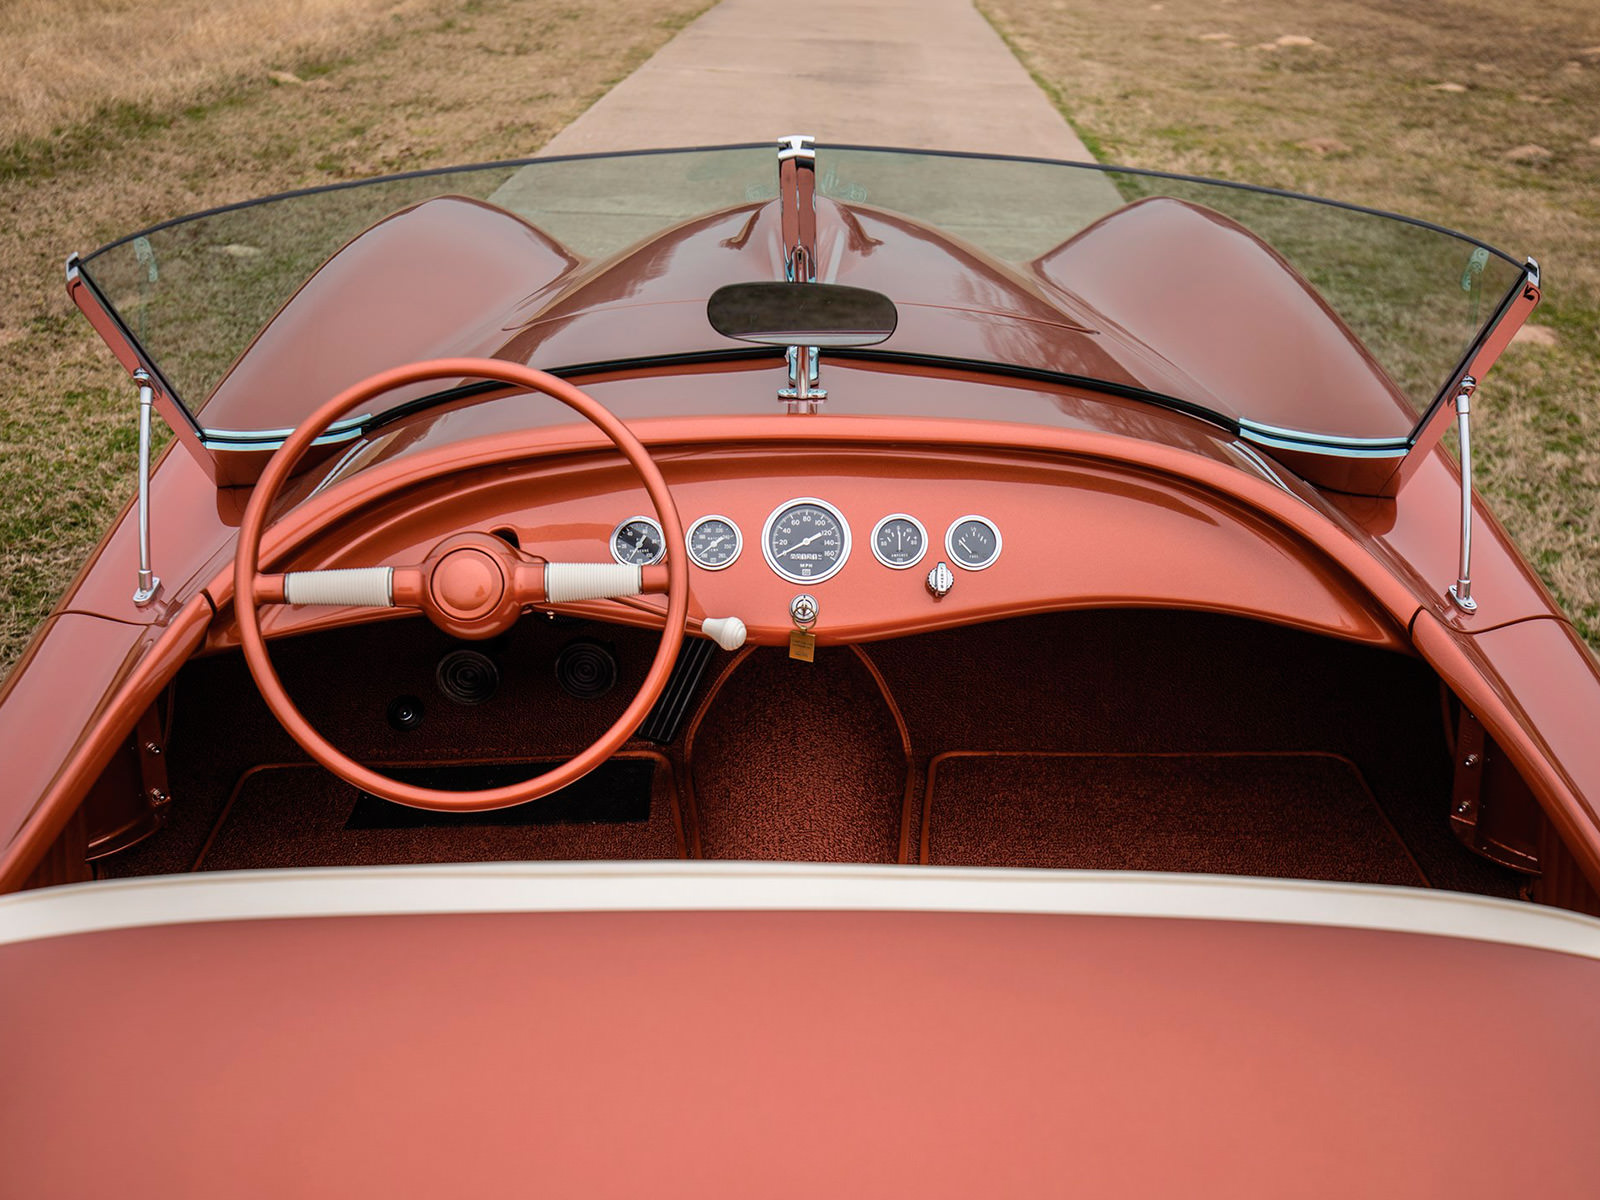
472 585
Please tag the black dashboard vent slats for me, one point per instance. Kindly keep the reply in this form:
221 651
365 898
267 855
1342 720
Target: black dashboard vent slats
666 718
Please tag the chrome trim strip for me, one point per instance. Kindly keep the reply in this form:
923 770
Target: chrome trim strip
766 887
270 439
1323 443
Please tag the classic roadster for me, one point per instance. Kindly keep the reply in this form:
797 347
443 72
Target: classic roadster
843 671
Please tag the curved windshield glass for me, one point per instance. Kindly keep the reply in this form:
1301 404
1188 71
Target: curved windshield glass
1253 307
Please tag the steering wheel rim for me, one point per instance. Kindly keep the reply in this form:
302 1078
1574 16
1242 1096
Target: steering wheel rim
247 558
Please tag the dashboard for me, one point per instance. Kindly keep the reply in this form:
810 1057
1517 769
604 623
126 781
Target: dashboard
883 540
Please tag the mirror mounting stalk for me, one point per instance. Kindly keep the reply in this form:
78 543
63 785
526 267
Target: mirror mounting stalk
797 175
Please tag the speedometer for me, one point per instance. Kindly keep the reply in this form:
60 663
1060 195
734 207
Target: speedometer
806 540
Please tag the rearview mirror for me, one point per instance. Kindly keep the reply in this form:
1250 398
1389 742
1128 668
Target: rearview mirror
801 314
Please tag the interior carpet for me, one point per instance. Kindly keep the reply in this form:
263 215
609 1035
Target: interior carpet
1298 816
301 816
799 761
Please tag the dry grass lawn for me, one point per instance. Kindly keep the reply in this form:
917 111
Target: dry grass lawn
75 59
1479 115
382 87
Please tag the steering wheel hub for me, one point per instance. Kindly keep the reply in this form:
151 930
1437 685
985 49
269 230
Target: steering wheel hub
468 583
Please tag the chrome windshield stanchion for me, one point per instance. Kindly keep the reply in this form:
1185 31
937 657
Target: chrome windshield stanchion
1461 589
797 175
148 585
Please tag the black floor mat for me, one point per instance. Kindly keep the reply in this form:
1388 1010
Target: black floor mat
613 793
301 816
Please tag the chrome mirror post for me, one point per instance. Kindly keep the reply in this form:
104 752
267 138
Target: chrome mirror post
1461 590
149 585
797 174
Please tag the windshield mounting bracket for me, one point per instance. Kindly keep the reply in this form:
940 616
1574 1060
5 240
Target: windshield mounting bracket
1461 590
148 584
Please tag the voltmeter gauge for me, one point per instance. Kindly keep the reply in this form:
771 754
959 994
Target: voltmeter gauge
899 541
714 542
638 542
973 542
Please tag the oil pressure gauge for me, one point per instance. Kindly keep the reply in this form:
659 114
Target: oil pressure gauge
714 542
973 542
638 542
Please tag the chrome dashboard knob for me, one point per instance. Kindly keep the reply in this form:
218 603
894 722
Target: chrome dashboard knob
941 579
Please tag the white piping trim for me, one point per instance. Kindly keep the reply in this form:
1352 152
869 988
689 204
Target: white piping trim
699 886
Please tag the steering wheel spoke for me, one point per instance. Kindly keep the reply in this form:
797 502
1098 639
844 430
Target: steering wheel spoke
345 587
563 583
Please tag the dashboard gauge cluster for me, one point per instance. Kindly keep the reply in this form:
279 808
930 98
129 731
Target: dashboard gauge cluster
807 540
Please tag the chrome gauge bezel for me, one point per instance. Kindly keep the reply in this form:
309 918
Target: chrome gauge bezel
949 542
738 542
921 530
766 540
661 537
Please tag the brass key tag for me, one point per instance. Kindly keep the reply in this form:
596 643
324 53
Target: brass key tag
802 645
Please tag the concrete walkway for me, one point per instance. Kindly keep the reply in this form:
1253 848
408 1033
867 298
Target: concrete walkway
917 74
923 74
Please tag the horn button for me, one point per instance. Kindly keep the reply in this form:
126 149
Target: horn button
468 584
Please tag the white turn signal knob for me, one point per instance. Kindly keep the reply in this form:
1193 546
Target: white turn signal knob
727 632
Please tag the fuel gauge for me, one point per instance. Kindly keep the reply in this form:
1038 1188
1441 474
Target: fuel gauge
973 541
